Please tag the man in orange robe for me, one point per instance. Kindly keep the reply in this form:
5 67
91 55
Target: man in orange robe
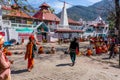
104 48
89 52
31 48
40 50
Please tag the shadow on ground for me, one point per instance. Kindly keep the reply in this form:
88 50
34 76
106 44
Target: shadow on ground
107 58
66 64
115 66
19 71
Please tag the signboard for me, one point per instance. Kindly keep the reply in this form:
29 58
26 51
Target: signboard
24 35
2 33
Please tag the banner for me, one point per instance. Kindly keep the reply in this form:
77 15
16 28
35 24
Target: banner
24 35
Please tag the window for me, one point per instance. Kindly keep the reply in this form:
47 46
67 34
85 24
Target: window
12 20
18 20
24 21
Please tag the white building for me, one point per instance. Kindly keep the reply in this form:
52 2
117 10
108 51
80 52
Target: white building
98 27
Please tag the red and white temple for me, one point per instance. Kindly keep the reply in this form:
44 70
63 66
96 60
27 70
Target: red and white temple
57 26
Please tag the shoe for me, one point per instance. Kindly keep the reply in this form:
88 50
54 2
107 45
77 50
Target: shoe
73 64
29 70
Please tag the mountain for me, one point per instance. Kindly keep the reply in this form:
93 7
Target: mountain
91 12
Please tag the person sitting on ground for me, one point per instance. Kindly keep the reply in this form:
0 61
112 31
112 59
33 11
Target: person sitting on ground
104 48
93 51
98 50
40 50
116 50
6 51
89 52
52 51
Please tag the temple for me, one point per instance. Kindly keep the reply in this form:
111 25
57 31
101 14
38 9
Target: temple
45 25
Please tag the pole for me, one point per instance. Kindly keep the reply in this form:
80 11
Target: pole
119 47
117 22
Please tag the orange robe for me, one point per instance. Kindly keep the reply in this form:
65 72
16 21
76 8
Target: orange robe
40 50
89 52
104 49
6 52
29 55
98 50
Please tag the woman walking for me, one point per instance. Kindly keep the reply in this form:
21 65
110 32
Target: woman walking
74 47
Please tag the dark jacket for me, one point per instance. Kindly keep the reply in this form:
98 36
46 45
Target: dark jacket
112 46
74 45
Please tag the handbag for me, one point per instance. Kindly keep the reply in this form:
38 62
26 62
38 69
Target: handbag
77 51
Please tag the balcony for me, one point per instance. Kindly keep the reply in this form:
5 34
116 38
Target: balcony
6 23
22 25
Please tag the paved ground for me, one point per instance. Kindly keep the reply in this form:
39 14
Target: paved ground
57 67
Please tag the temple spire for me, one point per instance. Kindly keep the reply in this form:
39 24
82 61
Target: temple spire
64 18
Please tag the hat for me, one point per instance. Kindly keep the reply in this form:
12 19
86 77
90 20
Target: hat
1 39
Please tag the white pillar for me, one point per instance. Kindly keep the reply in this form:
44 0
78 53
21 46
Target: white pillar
64 18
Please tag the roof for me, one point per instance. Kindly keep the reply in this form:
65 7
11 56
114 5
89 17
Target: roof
15 6
44 5
6 7
99 18
42 25
99 25
46 16
16 12
70 21
68 31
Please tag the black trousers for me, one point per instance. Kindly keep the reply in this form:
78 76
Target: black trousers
112 54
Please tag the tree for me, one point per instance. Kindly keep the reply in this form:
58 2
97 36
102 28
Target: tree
111 20
24 5
117 21
117 11
51 9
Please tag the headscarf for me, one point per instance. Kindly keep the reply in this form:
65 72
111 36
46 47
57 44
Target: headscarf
32 37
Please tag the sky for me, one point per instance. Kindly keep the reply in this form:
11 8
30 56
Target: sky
57 4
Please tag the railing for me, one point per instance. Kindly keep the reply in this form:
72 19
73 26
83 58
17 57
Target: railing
22 25
6 23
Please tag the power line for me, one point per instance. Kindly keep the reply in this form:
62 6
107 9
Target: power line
77 6
99 10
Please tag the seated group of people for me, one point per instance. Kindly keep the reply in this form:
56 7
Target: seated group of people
100 46
41 50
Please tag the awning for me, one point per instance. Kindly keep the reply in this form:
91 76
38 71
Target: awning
42 27
24 30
